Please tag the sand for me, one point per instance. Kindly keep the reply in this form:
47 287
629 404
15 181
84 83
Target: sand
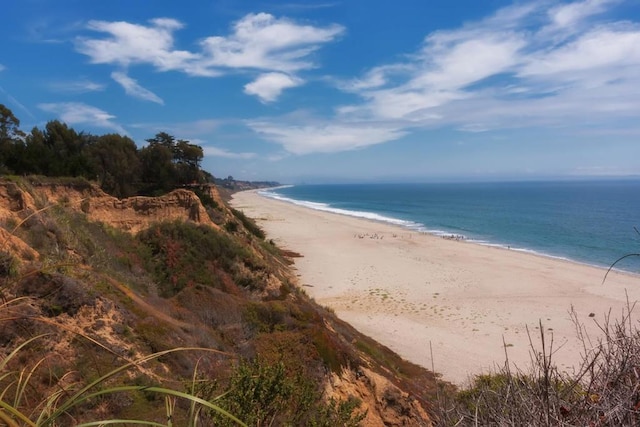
467 302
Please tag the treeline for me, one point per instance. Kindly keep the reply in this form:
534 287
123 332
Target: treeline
113 160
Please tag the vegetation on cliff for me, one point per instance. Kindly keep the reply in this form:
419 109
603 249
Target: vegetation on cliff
175 310
211 311
113 161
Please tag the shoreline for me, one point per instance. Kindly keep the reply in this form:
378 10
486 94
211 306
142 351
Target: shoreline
420 228
411 290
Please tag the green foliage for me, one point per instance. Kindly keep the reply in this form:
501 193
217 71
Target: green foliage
267 316
206 200
186 254
9 125
336 413
249 224
10 139
167 164
35 393
231 226
257 393
267 394
114 160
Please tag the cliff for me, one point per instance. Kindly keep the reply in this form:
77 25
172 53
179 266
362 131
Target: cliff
103 282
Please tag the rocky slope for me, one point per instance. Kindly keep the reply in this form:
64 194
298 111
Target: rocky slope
102 282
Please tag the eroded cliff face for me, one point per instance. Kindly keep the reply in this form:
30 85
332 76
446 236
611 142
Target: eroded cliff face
102 315
384 403
132 214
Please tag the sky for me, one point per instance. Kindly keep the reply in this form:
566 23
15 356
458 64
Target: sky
341 91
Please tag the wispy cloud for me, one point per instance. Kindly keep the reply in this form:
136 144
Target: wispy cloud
219 152
569 15
257 42
77 86
13 101
132 88
79 113
325 137
2 67
523 66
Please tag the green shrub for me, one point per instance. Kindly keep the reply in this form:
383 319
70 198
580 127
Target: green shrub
231 226
267 394
249 224
184 254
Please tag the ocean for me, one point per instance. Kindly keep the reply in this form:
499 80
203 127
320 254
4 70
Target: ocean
591 222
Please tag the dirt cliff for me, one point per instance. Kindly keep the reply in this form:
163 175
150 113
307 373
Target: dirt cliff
84 264
131 214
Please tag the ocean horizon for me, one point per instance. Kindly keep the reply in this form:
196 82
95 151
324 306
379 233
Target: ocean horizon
590 222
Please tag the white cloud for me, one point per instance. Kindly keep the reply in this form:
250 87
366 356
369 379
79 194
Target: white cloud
325 137
262 41
2 67
77 86
524 66
79 113
377 77
219 152
131 87
611 49
568 15
130 44
269 86
451 66
257 42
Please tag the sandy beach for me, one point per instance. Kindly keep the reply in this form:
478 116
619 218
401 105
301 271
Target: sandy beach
411 290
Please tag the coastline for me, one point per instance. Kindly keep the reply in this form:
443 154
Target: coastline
411 290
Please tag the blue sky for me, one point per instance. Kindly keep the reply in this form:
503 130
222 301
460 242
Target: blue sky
351 90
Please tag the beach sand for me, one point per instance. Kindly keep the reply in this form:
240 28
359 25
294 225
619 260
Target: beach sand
413 291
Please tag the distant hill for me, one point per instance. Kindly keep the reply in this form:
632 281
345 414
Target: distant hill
234 185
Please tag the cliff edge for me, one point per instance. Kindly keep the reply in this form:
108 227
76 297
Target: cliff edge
101 281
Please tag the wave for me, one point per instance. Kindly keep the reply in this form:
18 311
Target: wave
358 214
411 225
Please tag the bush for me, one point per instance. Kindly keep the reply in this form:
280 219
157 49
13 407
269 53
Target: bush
266 394
604 391
248 224
182 254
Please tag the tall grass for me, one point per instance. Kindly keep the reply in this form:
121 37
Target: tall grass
17 407
603 391
22 402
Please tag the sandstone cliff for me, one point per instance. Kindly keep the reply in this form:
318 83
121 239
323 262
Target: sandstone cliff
107 294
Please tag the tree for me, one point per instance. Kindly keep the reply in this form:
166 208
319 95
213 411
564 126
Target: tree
9 125
66 149
168 163
158 170
35 155
10 136
163 139
188 157
115 159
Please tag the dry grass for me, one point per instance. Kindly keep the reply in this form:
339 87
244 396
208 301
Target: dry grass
603 391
